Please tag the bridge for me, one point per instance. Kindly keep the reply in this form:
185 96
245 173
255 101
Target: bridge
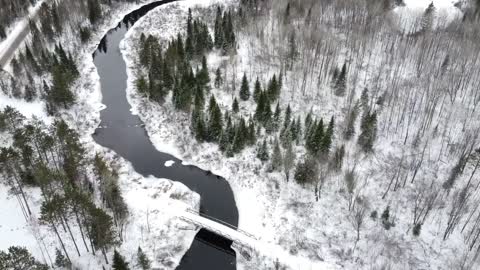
245 239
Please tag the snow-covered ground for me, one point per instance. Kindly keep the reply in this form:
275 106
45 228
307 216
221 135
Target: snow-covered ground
286 213
163 236
409 17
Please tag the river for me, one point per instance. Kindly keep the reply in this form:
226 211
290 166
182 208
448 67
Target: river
208 251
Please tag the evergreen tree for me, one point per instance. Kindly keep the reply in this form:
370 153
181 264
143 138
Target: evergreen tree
244 89
288 115
60 260
3 35
262 151
427 18
368 131
273 88
94 11
257 91
306 171
218 78
218 31
364 99
235 107
142 260
327 139
277 159
215 122
276 117
19 258
142 86
203 77
251 132
119 262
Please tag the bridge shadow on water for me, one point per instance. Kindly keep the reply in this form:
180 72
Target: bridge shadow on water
124 133
219 251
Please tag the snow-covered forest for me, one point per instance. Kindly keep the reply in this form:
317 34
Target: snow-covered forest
348 131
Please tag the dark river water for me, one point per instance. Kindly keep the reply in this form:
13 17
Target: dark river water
208 251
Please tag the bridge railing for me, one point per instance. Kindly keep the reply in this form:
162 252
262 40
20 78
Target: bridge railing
222 222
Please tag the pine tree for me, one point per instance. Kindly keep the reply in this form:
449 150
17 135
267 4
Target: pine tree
218 78
60 260
257 91
142 260
235 107
119 262
19 258
262 151
277 159
244 89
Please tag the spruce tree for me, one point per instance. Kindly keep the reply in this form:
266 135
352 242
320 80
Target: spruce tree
262 151
427 18
94 11
273 88
142 260
257 91
277 159
215 121
218 30
327 139
306 171
244 89
119 262
235 107
369 132
203 77
218 78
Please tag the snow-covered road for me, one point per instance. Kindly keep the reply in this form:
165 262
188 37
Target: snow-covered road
17 36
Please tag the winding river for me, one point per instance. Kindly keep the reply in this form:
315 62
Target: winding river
208 251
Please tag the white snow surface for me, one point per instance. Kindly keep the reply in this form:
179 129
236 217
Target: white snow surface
285 213
164 237
169 163
14 30
408 17
28 109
